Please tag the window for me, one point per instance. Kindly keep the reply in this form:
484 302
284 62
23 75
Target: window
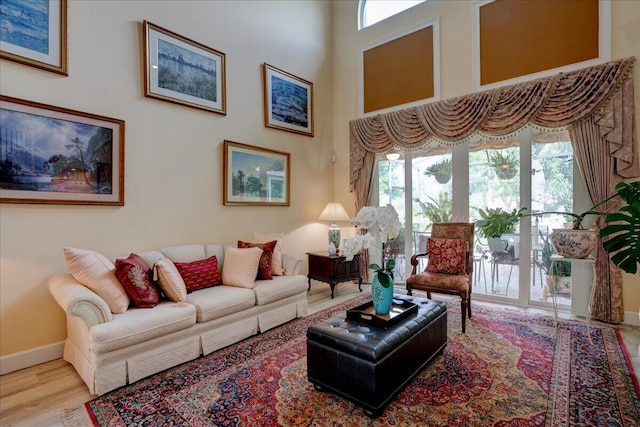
372 11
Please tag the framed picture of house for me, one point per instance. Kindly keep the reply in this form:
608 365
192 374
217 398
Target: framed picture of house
255 175
183 71
34 33
54 155
288 101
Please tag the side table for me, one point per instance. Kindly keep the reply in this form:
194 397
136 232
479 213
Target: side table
333 269
589 260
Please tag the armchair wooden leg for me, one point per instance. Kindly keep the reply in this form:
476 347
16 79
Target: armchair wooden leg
409 290
469 305
463 308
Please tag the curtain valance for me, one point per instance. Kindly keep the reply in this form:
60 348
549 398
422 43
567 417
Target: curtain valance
564 100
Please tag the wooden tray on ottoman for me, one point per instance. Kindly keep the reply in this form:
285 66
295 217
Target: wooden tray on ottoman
366 314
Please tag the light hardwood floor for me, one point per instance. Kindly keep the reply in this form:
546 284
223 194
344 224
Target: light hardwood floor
37 396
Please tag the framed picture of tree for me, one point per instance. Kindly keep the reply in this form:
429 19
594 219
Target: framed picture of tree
255 175
55 155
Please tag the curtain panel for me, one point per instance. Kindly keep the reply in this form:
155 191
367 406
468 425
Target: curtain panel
600 96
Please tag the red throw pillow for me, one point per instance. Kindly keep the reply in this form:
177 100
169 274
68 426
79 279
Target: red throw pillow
264 269
200 274
135 276
448 256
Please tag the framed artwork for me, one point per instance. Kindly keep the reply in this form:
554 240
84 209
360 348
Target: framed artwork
34 33
183 71
288 101
55 155
255 175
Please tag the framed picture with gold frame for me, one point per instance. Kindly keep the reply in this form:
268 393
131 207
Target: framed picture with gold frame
288 101
35 33
255 175
55 155
183 71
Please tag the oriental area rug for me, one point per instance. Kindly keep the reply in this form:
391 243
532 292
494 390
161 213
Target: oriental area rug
511 368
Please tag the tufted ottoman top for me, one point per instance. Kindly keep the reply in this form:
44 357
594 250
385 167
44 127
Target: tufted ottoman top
369 342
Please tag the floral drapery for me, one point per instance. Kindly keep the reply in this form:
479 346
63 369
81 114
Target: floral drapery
603 93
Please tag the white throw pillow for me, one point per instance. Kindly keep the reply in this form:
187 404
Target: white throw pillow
240 266
170 280
277 268
97 273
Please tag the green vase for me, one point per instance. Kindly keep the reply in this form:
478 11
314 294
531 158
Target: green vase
382 297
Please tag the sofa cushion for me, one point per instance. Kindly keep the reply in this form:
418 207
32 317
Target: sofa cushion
277 268
199 274
135 276
240 266
266 259
220 301
97 273
138 325
268 291
169 279
184 253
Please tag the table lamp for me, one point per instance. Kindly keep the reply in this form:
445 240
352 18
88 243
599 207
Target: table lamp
334 212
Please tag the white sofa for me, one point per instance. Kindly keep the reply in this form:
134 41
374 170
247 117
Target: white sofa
111 350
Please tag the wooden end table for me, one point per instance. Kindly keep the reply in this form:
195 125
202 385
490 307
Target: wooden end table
333 269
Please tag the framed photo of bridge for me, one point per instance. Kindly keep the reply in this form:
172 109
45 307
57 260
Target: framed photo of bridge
288 101
59 156
183 71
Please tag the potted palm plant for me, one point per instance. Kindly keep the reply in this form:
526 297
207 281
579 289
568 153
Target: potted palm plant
558 272
494 222
621 233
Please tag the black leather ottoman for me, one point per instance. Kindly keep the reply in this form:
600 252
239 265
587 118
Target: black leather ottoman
369 365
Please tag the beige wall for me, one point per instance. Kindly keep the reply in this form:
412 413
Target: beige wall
455 71
173 153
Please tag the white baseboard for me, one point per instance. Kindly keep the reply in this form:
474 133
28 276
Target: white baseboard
25 359
631 318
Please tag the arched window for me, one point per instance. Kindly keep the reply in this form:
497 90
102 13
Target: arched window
372 11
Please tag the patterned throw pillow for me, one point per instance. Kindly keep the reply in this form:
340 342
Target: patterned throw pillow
277 268
447 256
264 269
200 274
135 276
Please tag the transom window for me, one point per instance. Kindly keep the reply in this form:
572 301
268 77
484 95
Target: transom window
372 11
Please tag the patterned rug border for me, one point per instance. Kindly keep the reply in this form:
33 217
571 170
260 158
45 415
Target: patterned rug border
544 320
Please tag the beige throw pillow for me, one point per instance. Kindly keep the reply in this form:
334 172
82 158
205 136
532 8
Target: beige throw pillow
277 269
170 280
240 266
97 273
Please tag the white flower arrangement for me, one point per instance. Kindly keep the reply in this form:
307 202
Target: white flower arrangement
388 224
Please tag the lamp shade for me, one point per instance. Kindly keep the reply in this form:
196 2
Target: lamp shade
334 212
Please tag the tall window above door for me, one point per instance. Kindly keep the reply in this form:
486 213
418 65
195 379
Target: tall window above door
373 11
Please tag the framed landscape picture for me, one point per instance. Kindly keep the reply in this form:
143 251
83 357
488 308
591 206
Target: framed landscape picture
288 101
183 71
34 33
255 176
55 155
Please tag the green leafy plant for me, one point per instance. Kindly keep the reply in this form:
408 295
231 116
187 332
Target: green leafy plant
441 171
621 235
557 268
440 210
505 164
385 274
494 222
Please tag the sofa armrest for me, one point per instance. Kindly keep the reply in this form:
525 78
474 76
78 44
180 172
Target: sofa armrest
78 300
291 265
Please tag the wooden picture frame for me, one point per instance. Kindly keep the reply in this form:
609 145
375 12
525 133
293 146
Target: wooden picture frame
288 101
255 175
182 71
39 41
59 156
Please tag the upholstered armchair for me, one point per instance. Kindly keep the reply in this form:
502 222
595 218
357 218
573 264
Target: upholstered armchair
450 264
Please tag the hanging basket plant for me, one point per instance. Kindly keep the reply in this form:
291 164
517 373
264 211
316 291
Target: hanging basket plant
441 171
505 165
